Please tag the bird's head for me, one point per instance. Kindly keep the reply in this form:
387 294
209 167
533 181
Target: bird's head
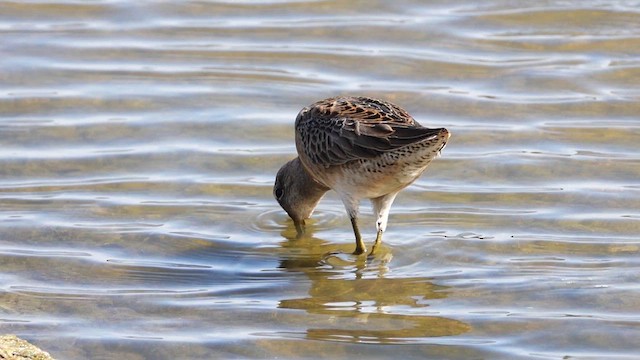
297 192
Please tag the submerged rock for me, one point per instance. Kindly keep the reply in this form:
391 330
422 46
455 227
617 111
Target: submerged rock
14 348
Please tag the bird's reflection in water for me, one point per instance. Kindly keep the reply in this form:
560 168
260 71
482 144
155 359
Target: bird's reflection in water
355 300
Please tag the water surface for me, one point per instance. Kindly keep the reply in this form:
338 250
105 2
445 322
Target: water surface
139 143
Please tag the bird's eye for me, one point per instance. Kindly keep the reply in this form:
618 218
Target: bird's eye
279 192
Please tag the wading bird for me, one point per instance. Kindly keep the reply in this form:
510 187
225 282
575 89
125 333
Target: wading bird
361 148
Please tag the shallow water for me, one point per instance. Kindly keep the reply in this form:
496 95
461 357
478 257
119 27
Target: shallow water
139 145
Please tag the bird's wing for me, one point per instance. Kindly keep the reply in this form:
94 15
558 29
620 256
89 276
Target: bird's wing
338 130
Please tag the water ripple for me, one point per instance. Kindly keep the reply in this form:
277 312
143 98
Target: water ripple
139 143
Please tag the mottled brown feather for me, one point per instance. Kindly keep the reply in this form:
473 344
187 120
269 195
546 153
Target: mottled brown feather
342 129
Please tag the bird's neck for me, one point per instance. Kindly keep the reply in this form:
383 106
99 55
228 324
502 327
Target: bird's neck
307 184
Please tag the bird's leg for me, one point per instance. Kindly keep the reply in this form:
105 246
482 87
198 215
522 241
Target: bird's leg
381 206
360 247
351 205
378 242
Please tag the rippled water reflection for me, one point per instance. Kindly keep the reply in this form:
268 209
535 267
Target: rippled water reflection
139 144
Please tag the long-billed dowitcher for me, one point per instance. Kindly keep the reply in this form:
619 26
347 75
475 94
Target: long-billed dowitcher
360 148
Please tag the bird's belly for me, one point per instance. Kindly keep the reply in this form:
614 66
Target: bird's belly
372 180
374 177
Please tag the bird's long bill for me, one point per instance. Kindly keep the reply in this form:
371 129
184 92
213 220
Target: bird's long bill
299 224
